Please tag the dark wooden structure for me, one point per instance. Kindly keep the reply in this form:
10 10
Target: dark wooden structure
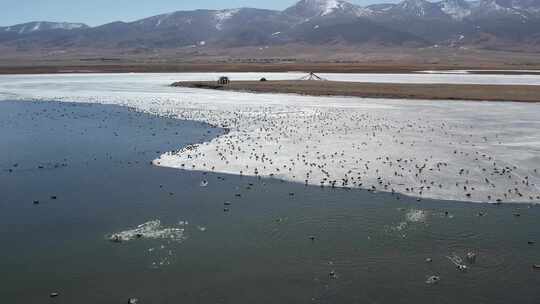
312 76
224 80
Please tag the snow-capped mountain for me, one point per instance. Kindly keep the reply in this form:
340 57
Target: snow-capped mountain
508 8
38 26
523 5
456 9
418 8
484 23
214 19
309 9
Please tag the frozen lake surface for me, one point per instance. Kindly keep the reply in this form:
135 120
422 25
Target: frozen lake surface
451 150
426 77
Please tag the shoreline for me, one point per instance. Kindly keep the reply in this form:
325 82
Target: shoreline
156 162
474 92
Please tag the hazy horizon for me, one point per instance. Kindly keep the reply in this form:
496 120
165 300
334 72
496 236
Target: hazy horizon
100 12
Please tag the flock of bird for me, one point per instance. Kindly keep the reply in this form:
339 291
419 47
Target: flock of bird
450 150
360 148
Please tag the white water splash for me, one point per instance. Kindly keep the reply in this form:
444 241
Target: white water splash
416 216
149 230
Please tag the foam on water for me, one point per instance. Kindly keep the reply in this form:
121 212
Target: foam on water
149 230
433 280
416 216
411 217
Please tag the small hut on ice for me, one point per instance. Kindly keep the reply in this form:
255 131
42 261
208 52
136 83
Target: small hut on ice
224 80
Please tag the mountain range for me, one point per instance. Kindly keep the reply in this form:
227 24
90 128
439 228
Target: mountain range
491 24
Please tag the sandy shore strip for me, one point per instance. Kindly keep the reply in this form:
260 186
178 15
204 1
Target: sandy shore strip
476 92
27 66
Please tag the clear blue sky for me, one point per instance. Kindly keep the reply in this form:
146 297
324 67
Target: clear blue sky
96 12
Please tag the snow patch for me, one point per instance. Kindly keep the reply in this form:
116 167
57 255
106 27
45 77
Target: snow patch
222 16
67 26
162 18
36 27
327 7
455 10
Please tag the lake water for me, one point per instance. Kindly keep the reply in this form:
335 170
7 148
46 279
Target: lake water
238 239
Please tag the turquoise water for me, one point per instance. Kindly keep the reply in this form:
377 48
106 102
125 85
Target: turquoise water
246 239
